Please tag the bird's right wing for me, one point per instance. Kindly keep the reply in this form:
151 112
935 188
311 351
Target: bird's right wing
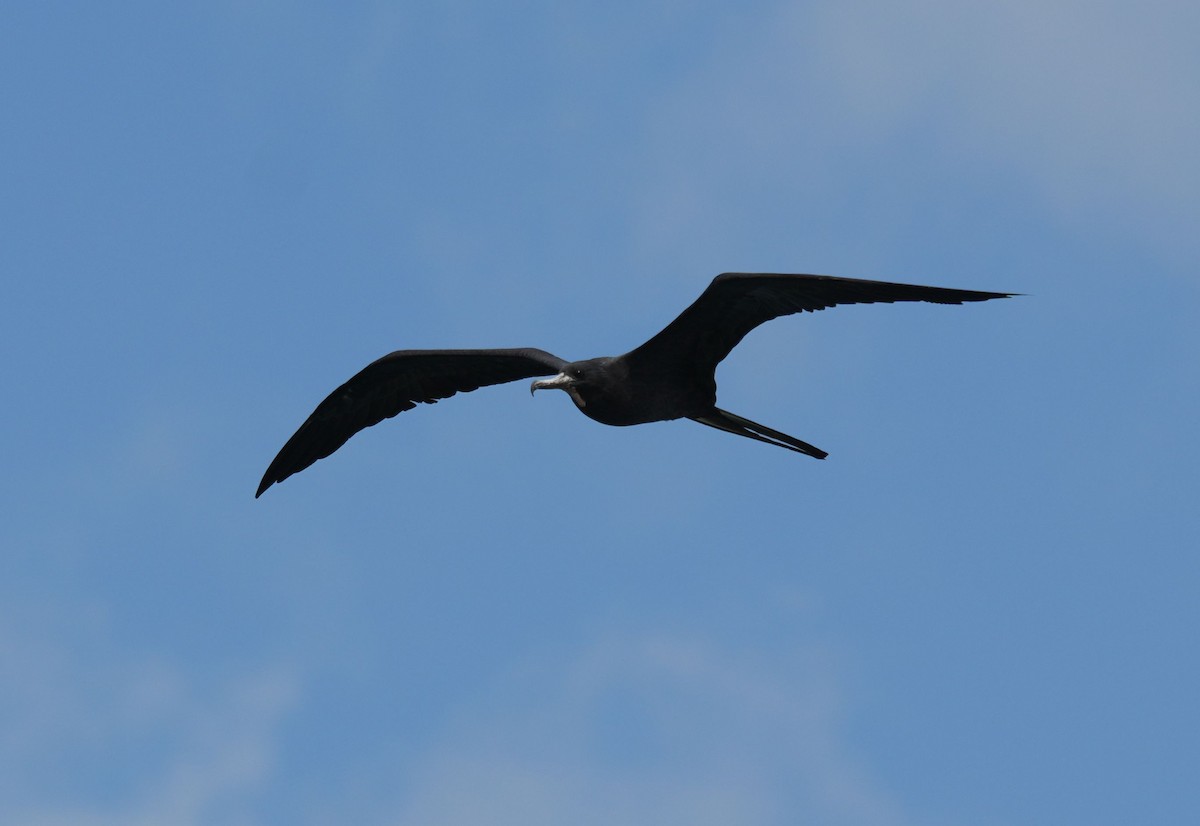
393 384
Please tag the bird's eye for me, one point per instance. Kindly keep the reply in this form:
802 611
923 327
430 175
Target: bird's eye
577 373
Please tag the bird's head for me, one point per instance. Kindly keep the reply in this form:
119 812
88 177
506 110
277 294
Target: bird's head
580 379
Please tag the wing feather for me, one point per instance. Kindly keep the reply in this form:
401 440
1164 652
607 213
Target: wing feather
737 302
397 382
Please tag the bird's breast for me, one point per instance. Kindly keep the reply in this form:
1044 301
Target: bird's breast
639 402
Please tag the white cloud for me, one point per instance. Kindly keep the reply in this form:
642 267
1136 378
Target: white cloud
651 730
1091 108
1095 100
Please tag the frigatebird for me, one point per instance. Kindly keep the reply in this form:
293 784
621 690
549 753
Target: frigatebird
671 376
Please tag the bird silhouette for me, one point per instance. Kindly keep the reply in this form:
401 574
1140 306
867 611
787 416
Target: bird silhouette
671 376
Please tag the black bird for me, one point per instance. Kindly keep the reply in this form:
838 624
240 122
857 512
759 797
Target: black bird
671 376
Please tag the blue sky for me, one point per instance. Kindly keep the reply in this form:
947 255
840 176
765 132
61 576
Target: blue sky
980 610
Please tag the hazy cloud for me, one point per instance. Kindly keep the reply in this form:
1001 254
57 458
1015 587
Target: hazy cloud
653 729
78 717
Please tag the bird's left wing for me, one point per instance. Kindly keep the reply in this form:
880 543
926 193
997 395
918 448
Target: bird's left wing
393 384
737 302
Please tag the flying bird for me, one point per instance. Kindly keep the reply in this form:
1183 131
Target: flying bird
671 376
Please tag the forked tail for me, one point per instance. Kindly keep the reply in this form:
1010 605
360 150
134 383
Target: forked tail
723 420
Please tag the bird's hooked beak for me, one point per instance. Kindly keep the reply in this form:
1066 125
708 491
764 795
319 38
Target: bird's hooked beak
560 382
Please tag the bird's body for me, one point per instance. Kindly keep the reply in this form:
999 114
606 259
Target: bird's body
617 391
671 376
